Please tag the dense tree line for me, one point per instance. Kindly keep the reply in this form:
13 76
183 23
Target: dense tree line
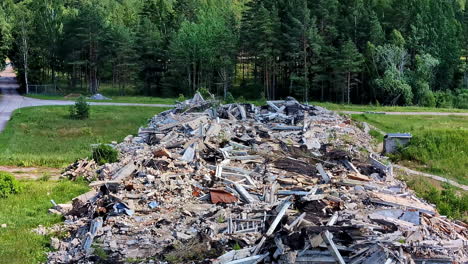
360 51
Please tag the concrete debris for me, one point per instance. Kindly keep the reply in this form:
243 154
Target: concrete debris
236 183
98 96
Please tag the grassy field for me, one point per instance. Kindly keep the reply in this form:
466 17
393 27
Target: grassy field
115 99
371 108
25 211
439 144
330 106
45 136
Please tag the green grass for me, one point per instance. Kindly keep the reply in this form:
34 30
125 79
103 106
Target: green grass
45 136
439 144
449 201
24 212
372 108
115 99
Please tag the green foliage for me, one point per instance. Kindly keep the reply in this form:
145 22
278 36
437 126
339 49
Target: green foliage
449 202
80 110
204 93
444 99
376 135
427 99
229 98
5 35
397 39
104 153
236 246
436 147
395 87
27 210
221 219
181 98
461 99
438 144
391 51
22 142
9 185
100 253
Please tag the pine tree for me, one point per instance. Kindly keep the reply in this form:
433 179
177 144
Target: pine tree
350 63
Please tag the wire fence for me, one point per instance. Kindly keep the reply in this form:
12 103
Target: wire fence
43 89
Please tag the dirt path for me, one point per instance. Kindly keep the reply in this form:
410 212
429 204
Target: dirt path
434 177
31 173
405 113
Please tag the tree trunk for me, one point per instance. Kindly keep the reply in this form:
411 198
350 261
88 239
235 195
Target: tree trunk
25 62
349 87
306 77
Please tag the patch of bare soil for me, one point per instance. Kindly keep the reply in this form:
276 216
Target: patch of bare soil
31 173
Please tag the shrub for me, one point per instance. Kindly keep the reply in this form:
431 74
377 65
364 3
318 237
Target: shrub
448 202
80 110
427 99
461 100
229 98
9 185
181 98
444 99
205 93
103 153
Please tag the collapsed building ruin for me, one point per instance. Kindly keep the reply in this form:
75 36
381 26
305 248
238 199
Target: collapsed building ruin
280 183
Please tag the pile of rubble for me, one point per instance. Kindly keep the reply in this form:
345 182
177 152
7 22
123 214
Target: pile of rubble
281 183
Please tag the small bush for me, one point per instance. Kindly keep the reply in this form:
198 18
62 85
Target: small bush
9 185
205 93
80 110
444 99
428 99
103 154
241 99
181 98
229 98
461 100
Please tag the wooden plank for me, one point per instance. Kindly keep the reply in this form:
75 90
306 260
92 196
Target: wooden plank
243 193
332 247
278 218
325 176
391 200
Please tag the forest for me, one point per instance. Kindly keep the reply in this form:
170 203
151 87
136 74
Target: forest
389 52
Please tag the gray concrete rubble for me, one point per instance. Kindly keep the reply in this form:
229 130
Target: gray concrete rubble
237 183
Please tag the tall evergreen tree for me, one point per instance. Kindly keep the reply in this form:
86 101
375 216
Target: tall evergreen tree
350 64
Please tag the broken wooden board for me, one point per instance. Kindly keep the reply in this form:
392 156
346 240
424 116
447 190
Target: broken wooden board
358 177
391 200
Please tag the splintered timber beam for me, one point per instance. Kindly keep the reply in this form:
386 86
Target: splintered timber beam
296 222
332 247
333 219
326 178
278 218
243 193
